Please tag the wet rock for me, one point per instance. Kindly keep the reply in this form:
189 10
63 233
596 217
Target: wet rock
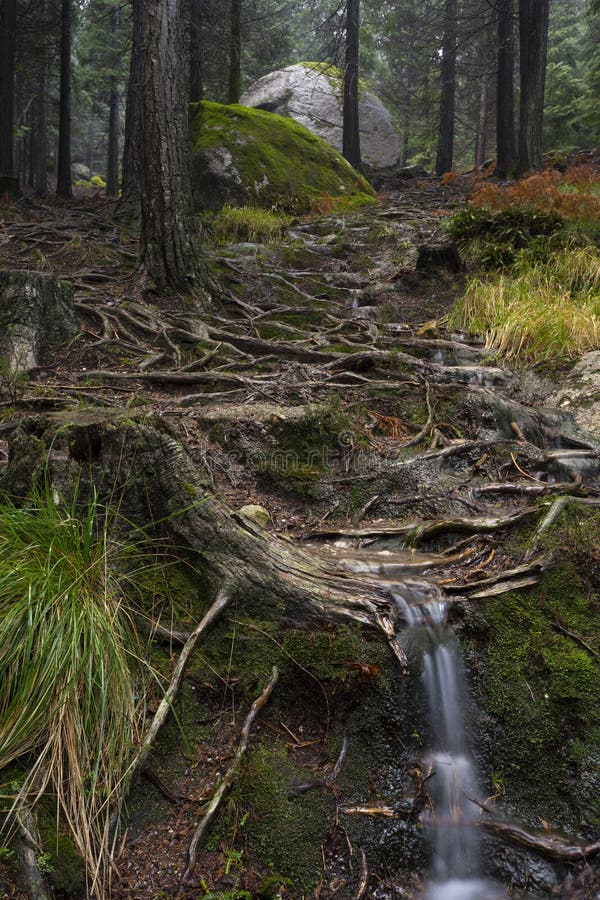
580 393
312 94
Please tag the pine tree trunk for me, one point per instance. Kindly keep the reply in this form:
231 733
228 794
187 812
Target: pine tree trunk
196 52
480 145
235 57
351 123
133 119
445 148
8 28
40 126
112 160
506 150
63 183
170 248
533 57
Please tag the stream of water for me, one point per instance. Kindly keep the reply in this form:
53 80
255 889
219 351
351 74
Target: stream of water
452 779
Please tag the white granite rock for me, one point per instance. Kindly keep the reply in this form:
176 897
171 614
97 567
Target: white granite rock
313 96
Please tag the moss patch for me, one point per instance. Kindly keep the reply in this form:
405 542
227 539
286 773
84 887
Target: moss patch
242 155
543 687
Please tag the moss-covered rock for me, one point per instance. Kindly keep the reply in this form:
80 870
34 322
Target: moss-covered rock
241 156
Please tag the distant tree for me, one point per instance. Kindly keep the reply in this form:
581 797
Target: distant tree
533 36
130 179
506 149
170 250
235 53
112 155
63 183
445 148
8 30
196 51
351 124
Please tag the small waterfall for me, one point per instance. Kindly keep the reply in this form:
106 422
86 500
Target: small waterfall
452 781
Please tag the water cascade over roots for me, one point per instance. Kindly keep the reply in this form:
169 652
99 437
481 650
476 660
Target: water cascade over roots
448 766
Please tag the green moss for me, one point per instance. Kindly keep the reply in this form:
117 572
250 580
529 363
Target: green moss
541 685
280 163
286 832
62 862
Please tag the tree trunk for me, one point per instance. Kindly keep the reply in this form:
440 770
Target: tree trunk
130 187
445 145
506 151
112 160
196 52
63 180
480 145
170 248
8 28
533 56
351 123
40 125
235 55
156 481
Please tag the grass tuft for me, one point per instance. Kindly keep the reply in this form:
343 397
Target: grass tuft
248 223
542 312
68 665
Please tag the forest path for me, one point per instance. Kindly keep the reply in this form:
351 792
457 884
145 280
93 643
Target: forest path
324 384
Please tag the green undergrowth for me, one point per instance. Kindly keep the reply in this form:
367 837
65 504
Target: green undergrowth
543 311
268 161
542 685
70 676
248 223
537 295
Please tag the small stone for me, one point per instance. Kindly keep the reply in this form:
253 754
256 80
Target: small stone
256 513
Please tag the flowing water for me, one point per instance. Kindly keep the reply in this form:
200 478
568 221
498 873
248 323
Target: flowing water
449 767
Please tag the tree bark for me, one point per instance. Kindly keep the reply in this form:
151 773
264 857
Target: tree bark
351 122
506 150
533 57
8 29
170 248
235 53
445 147
130 187
40 125
112 161
64 186
156 481
196 52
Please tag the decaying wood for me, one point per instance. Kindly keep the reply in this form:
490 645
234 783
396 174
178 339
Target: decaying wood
364 876
416 532
227 780
547 845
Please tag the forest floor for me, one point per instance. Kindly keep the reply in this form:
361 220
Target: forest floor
324 385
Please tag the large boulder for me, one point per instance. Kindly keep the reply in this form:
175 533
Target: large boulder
248 156
312 93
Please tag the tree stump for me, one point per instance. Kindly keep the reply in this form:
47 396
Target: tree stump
36 317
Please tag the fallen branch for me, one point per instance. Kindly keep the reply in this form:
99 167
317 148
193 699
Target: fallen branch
166 703
227 780
364 876
552 847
